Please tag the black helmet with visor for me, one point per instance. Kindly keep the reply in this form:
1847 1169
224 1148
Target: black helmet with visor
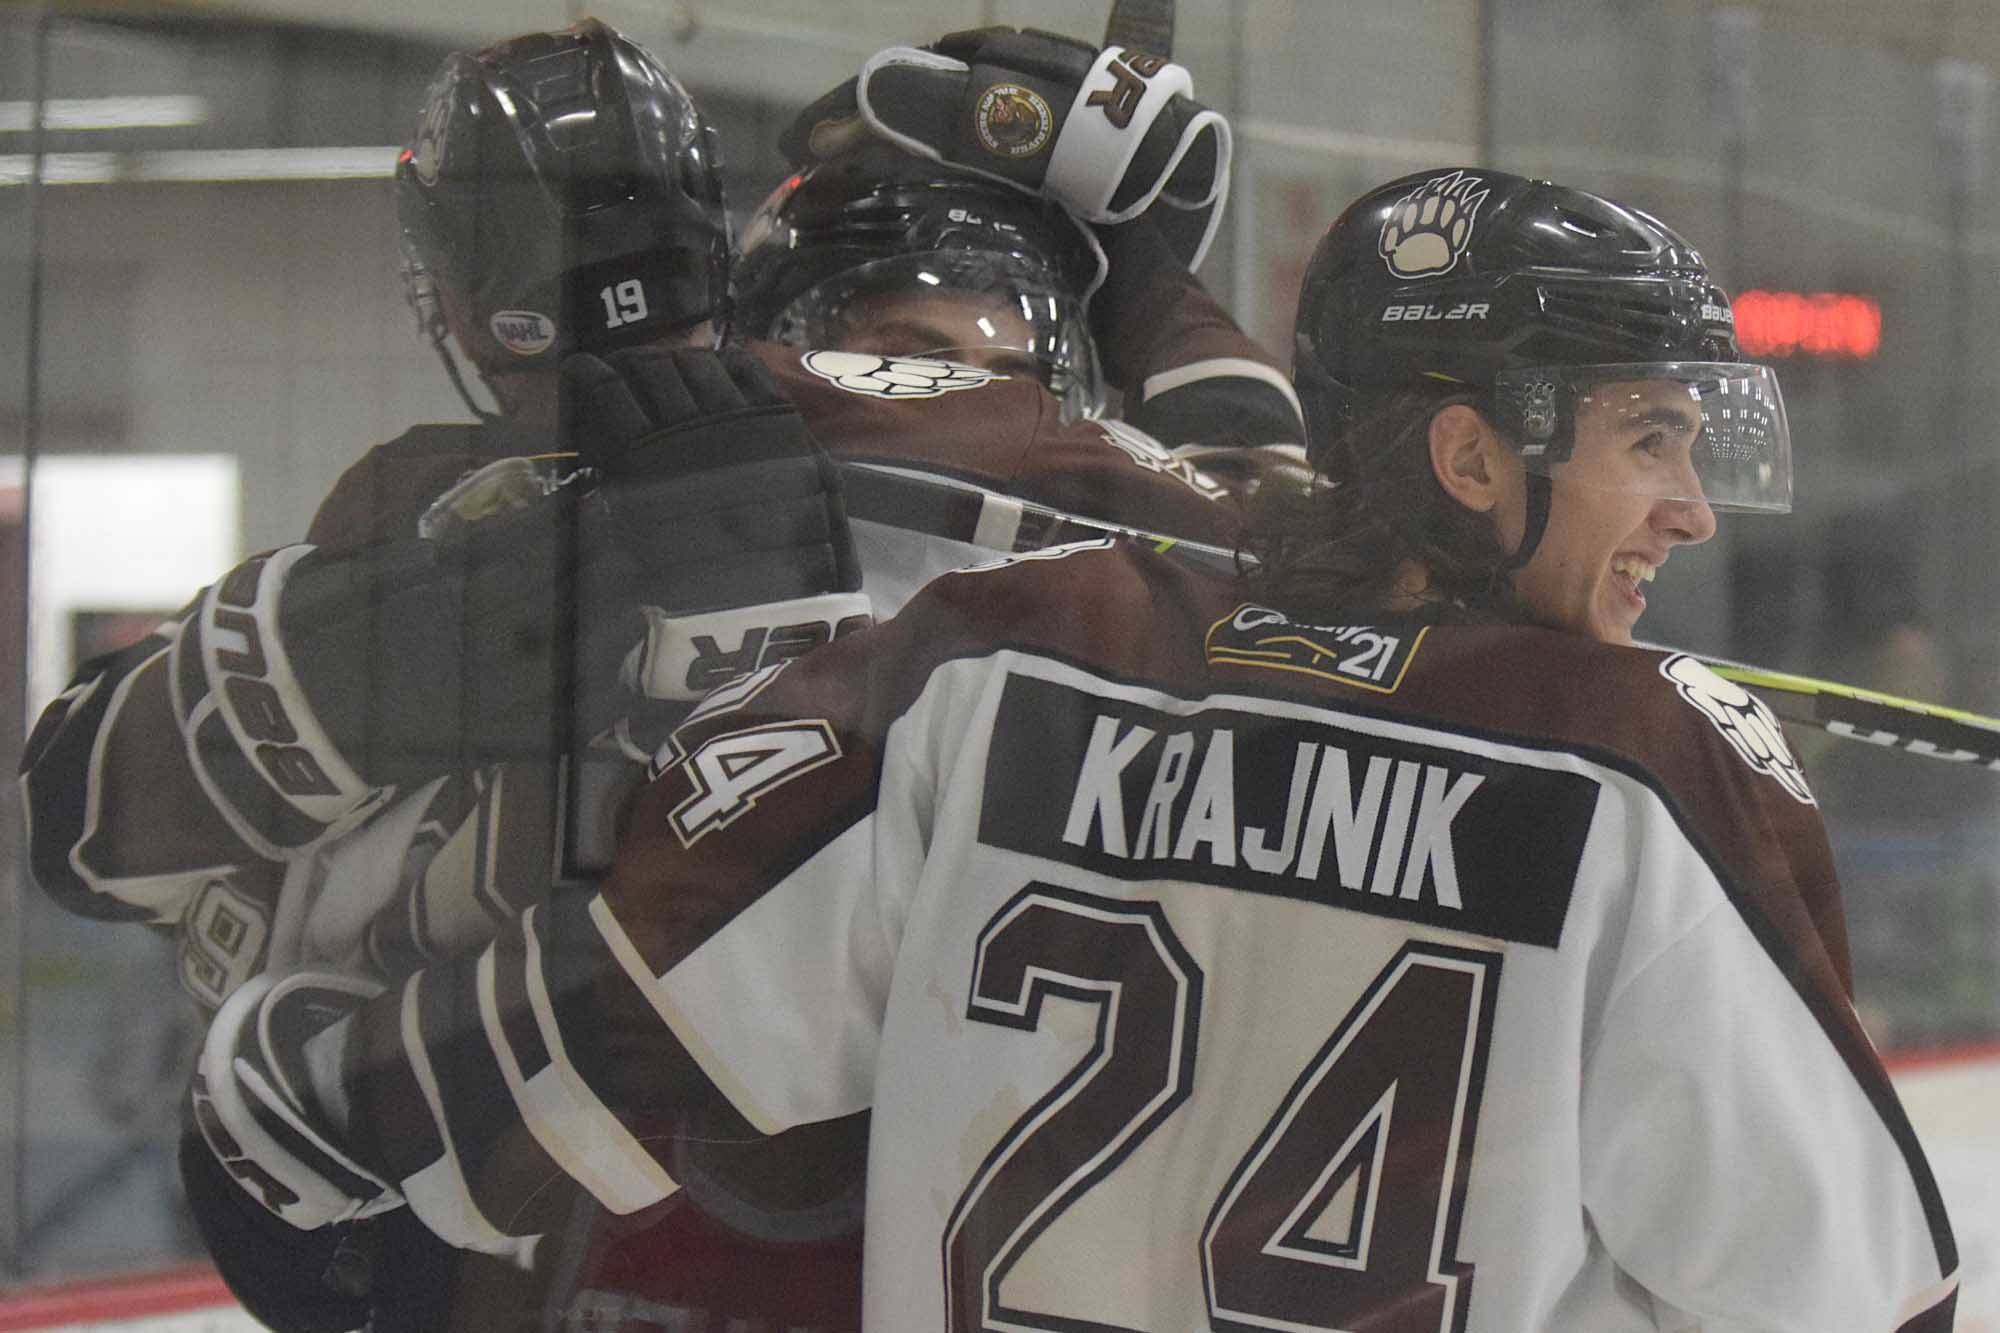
1552 302
881 252
566 192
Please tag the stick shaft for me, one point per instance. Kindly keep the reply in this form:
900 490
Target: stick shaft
1144 25
985 518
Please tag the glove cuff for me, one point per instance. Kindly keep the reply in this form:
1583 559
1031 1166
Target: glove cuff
257 746
682 658
253 1102
1097 169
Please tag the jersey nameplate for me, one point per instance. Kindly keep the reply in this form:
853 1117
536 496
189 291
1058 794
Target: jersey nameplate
1291 808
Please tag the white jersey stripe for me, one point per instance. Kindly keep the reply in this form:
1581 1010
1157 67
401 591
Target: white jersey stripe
1222 367
571 1133
438 1193
562 1112
621 947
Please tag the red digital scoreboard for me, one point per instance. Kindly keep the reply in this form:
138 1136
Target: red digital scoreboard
1822 326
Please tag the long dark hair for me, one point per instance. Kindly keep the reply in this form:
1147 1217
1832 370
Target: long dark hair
1332 547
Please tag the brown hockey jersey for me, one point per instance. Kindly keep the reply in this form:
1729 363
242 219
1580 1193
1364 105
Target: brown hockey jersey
990 431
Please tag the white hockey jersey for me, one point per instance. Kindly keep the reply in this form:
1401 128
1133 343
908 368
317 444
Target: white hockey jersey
1201 969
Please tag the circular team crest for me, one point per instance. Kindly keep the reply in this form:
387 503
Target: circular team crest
1012 121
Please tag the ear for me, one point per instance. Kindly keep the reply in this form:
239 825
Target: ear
1468 458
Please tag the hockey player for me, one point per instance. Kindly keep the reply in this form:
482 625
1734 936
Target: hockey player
124 827
1113 137
1381 942
562 195
502 237
198 830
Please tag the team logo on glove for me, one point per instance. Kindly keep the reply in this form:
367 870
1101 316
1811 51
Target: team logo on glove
895 376
1744 720
1012 122
1429 228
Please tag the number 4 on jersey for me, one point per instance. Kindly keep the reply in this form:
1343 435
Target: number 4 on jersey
729 772
1382 1120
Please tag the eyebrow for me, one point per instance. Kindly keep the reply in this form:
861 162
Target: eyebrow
907 334
1676 417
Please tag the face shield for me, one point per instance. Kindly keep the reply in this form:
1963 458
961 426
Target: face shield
999 312
1707 431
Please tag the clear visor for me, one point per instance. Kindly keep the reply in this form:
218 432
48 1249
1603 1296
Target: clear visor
1707 431
1003 313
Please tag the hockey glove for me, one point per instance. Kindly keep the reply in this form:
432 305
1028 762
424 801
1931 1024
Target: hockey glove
256 1108
309 682
730 511
1109 134
289 1280
385 1273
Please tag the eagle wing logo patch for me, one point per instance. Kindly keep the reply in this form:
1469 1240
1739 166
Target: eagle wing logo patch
1744 720
895 376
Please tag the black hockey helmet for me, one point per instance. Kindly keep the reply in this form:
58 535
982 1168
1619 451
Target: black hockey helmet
1535 293
877 223
564 189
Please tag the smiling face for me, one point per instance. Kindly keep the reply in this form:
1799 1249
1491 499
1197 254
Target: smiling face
1626 497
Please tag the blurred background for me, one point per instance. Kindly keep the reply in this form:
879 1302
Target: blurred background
201 326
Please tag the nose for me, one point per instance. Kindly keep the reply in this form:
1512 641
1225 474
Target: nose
1686 522
1689 520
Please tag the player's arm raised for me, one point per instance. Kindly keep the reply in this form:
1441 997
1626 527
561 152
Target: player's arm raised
1116 137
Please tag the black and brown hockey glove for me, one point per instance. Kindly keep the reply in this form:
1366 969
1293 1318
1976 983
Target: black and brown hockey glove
731 512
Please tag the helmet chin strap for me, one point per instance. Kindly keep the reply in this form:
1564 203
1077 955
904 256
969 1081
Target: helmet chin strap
421 291
451 368
1537 521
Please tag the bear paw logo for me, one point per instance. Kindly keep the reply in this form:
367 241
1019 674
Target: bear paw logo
1744 720
895 376
1429 227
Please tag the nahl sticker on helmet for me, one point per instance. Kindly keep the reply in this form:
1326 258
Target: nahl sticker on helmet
895 376
1429 228
1744 720
1363 656
523 332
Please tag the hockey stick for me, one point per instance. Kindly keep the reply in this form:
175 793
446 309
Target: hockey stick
1142 25
962 512
997 522
1887 720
